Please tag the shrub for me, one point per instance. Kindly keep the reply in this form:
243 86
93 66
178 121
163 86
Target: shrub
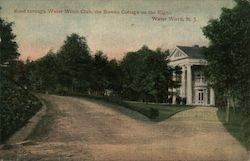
154 113
178 100
184 100
17 107
170 100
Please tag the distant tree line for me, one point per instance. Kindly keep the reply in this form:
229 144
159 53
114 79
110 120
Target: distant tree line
142 75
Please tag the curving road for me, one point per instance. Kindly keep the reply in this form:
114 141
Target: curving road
86 130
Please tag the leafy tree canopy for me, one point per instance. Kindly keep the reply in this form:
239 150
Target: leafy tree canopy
229 51
147 74
8 45
75 62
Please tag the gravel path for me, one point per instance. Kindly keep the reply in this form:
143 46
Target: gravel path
90 131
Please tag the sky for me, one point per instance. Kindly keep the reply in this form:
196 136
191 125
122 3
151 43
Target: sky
112 26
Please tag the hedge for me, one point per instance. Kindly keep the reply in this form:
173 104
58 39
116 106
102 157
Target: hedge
17 107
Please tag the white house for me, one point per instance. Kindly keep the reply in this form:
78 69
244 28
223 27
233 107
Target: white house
194 86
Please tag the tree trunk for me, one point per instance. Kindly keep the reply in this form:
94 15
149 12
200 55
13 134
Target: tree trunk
234 105
228 110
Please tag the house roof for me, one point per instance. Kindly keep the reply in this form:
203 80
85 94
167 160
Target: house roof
192 52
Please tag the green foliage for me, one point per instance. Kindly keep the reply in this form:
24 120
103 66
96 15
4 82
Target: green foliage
8 46
72 69
164 111
75 64
43 73
141 75
155 112
9 63
228 53
17 106
238 126
246 130
106 74
100 66
115 77
184 100
178 100
147 75
45 124
148 112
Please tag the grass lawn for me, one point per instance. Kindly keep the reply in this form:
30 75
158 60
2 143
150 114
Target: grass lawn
45 124
165 111
235 127
155 112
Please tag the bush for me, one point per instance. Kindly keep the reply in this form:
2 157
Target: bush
184 100
178 100
170 100
17 107
154 113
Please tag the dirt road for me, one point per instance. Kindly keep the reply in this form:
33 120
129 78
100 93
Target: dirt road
90 131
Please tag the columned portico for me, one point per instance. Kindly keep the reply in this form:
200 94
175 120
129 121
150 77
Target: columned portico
212 101
189 95
183 81
194 86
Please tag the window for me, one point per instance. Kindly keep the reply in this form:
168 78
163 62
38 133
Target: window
200 77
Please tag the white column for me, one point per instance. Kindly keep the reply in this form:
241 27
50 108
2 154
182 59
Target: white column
174 99
174 91
183 87
212 99
189 85
206 97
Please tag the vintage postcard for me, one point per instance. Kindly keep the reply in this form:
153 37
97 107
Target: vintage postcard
125 80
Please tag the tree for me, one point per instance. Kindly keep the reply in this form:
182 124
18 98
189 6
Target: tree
106 75
158 75
147 75
8 45
114 77
17 104
8 49
43 73
100 67
229 52
75 64
131 66
10 66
